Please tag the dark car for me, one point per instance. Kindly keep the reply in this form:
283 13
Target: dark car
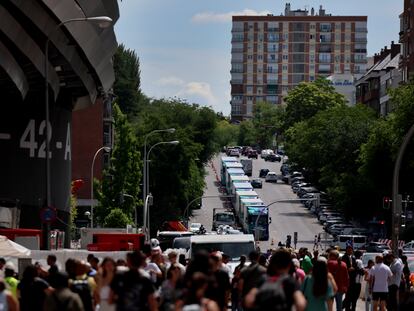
273 158
263 172
252 154
256 183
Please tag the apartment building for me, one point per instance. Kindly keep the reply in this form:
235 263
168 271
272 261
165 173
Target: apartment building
406 39
372 88
272 54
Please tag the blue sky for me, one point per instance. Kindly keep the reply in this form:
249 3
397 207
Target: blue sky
184 45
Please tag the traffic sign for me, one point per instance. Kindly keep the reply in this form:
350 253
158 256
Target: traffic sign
48 214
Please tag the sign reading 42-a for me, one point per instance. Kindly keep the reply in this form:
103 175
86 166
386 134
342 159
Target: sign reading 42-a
28 140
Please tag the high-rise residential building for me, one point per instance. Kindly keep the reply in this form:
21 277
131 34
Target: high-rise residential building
272 54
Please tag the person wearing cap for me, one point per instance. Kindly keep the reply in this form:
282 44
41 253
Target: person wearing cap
9 278
396 267
379 277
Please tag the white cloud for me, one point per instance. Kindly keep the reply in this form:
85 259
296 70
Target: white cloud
200 90
212 17
170 81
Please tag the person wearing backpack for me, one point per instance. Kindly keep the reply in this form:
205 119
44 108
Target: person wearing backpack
279 290
83 285
62 299
339 271
319 288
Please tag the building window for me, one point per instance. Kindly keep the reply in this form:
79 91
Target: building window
249 56
260 57
285 57
311 78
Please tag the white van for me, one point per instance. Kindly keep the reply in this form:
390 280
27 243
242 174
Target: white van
357 241
233 245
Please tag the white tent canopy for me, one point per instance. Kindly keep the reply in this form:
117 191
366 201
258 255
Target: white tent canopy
9 248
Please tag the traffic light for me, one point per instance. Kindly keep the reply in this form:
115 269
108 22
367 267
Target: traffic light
76 185
386 202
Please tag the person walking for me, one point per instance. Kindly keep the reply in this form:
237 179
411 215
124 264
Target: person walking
396 267
62 298
318 288
131 290
355 273
235 297
7 301
305 260
379 277
251 276
10 278
368 293
339 271
279 290
104 277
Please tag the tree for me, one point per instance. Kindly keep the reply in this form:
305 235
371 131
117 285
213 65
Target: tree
247 134
176 172
267 122
308 98
127 80
117 219
225 134
328 146
123 175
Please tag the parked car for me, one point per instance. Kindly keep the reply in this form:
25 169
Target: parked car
273 157
339 228
375 247
297 186
408 247
256 183
194 227
263 172
265 153
252 154
234 152
271 177
284 169
304 190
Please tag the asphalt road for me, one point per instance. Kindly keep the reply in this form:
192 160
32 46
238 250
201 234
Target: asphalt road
286 217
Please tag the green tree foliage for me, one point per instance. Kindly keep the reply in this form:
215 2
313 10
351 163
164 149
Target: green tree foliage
328 145
226 134
127 80
176 171
123 175
267 123
380 151
117 219
308 98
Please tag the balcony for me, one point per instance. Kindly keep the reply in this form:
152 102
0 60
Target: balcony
236 81
360 50
361 29
361 40
360 61
269 60
237 50
237 39
237 29
236 70
273 29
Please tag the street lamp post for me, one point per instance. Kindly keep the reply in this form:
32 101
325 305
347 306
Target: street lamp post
106 149
146 225
103 22
396 198
145 191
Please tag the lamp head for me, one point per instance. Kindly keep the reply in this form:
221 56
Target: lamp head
102 21
174 142
171 130
107 149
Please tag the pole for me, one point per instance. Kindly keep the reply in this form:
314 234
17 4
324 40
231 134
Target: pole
146 209
107 149
186 211
145 170
396 201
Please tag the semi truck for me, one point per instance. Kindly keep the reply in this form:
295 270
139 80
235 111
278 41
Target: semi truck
222 217
247 166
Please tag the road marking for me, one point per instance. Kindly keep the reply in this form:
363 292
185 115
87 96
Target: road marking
58 145
5 136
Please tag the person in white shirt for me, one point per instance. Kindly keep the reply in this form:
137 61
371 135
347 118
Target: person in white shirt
379 276
396 267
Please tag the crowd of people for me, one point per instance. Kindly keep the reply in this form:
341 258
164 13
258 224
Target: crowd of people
154 280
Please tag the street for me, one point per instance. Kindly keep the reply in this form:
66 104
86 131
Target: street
286 217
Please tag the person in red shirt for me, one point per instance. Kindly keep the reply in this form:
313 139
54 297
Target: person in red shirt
339 271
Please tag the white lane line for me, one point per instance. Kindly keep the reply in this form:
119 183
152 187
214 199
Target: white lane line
5 136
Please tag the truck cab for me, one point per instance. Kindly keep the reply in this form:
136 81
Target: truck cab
222 217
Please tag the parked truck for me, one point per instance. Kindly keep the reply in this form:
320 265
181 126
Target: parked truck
223 216
247 166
